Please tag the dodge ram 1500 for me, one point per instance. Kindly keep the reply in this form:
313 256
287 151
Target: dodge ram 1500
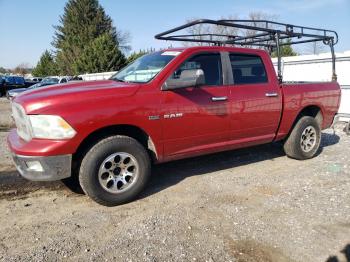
171 104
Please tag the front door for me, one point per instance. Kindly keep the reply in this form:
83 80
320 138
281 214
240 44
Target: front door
196 119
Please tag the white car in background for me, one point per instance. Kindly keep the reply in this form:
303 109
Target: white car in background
52 80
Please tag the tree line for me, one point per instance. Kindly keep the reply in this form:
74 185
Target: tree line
86 41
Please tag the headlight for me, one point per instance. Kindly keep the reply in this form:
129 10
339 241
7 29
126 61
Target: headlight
22 122
50 127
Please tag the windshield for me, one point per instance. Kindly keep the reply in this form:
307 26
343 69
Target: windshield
50 80
35 86
145 68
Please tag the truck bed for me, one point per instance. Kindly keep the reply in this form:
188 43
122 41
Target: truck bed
299 95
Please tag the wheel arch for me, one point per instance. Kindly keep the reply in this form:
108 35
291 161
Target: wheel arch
310 110
121 129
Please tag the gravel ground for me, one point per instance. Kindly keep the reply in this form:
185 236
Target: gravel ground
5 114
248 205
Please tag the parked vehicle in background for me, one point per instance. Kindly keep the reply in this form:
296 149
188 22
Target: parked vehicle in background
11 82
2 84
76 78
32 80
51 80
14 92
172 104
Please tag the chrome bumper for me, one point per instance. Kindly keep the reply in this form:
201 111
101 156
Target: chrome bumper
38 168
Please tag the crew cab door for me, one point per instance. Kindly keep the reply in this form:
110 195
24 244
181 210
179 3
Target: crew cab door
256 98
196 118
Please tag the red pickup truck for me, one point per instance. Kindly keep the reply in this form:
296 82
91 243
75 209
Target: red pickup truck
172 104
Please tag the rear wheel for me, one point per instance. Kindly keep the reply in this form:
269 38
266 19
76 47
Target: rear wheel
115 170
304 140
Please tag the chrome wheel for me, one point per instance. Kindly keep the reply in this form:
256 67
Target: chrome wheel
118 172
308 139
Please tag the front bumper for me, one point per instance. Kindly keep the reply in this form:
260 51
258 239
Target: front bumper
43 168
39 159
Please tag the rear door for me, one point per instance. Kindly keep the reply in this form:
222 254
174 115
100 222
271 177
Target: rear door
255 97
196 119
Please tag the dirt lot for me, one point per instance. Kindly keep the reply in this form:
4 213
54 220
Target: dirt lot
247 205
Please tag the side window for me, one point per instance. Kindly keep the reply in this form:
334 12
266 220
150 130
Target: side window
209 63
64 80
19 80
248 69
12 80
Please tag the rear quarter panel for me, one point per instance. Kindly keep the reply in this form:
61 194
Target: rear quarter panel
298 96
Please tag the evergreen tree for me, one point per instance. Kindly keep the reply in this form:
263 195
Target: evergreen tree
81 24
46 65
286 50
101 55
133 56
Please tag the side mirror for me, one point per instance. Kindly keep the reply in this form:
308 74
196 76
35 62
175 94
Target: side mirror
188 78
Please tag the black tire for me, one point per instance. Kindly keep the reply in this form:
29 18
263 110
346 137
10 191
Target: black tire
72 183
294 147
95 157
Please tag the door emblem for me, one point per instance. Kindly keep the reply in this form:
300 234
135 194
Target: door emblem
175 115
153 118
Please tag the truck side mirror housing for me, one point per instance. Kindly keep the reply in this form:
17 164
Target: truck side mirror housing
188 78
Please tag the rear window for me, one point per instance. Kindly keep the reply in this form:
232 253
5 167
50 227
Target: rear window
248 69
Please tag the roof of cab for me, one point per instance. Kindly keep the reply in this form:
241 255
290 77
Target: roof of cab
216 48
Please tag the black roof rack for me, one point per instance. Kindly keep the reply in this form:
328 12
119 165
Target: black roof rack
260 33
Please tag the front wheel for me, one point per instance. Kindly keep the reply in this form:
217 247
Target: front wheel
115 170
304 140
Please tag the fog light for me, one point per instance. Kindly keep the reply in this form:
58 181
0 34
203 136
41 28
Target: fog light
34 166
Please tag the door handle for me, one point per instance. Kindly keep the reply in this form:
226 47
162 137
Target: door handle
218 98
271 94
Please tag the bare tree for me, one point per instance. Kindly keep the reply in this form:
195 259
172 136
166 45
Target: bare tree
21 69
225 30
201 29
197 31
124 39
255 17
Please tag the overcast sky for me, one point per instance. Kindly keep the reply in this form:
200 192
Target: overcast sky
26 26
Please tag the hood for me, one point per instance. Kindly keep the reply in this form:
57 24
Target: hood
35 101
